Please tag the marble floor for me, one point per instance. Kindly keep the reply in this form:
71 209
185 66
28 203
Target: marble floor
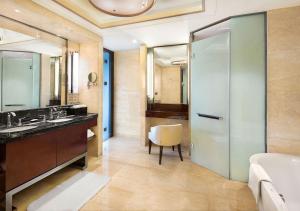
139 183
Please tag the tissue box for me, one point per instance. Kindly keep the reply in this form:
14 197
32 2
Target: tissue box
77 110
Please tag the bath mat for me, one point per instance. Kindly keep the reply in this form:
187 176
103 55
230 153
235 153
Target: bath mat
72 194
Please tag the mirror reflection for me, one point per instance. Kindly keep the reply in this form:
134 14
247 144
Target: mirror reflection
31 70
170 75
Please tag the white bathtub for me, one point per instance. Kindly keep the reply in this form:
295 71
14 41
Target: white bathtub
284 171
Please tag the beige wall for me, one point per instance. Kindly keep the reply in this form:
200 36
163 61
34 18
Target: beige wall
127 92
143 93
284 81
170 85
45 80
91 60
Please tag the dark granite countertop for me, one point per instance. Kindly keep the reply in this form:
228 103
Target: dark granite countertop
43 127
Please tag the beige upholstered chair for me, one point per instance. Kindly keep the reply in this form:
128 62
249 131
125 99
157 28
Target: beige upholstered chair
166 136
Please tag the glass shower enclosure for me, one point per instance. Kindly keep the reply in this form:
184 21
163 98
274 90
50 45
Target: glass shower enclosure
228 79
20 80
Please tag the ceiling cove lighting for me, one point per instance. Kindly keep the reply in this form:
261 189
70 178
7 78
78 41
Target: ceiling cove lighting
123 8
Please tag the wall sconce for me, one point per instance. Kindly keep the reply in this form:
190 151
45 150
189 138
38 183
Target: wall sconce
92 79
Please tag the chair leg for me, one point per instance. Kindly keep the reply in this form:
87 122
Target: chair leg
179 151
150 145
173 148
160 154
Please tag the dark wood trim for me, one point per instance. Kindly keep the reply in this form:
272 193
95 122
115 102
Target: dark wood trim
168 111
167 115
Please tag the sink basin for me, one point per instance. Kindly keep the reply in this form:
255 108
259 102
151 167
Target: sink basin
17 129
60 120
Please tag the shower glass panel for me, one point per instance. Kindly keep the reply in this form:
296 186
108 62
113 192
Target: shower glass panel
247 91
21 78
210 103
228 79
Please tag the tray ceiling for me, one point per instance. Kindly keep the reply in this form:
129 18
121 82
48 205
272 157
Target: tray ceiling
161 9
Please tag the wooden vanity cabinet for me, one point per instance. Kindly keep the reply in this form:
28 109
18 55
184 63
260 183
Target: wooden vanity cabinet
28 157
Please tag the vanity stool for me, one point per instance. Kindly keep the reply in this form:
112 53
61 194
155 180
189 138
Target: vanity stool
166 136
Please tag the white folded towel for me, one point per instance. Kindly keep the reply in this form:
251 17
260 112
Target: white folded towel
79 106
90 133
257 175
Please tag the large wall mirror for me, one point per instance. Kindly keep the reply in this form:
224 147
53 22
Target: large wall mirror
167 78
32 67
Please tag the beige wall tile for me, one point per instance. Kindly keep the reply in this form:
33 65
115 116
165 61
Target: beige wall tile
283 81
91 60
127 93
143 93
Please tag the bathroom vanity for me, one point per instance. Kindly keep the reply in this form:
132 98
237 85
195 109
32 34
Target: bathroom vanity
34 151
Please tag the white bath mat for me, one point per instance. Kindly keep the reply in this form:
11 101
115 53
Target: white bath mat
72 194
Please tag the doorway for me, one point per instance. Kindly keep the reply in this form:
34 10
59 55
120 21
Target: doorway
108 69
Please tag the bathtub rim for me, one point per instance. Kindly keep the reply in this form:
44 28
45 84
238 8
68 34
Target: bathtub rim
256 157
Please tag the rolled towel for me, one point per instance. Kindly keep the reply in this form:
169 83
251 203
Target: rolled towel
257 175
90 133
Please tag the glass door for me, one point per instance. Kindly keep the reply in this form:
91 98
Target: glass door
210 70
107 94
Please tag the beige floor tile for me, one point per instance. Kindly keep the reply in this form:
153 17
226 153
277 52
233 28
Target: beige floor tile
139 183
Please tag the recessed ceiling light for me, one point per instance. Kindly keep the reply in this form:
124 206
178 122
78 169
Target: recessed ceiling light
17 11
134 41
124 8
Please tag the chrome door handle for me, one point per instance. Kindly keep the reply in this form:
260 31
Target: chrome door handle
210 116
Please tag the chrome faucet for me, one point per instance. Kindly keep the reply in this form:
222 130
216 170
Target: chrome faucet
9 114
20 121
52 109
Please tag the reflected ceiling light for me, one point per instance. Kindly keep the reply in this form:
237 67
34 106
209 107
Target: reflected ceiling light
179 62
123 8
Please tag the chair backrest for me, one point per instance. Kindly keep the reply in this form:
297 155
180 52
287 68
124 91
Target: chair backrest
167 135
